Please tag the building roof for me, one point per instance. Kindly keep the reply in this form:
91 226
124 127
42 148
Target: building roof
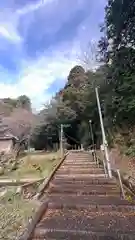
5 146
6 132
8 137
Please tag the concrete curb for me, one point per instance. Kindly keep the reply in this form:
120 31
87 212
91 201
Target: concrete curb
47 180
21 182
31 226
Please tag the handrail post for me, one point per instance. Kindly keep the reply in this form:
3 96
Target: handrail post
103 154
95 154
93 144
104 167
121 185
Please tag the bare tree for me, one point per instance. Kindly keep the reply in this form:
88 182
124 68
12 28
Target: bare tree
88 56
20 122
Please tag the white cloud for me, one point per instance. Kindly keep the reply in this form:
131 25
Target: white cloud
10 19
35 79
9 24
8 31
32 7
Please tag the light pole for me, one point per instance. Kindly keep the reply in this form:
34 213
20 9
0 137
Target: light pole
92 137
91 131
103 135
61 141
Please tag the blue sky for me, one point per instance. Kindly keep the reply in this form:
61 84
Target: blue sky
41 40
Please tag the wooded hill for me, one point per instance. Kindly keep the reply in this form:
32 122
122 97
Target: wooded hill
76 102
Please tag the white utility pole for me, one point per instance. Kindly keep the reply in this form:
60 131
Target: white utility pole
61 141
103 135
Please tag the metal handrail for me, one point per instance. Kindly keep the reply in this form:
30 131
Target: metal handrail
118 175
130 177
93 147
105 168
104 164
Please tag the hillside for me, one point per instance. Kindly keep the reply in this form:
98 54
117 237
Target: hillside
5 108
17 115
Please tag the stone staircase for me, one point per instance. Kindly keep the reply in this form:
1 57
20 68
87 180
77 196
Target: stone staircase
84 204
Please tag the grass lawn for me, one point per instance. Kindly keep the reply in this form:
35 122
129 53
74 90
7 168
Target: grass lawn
15 213
34 166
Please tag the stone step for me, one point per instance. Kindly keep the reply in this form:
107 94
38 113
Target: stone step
84 193
81 171
87 190
90 164
84 220
94 181
80 167
79 161
87 156
76 205
88 200
81 185
86 176
82 158
63 234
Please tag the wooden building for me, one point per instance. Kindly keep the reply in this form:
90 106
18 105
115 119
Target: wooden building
7 139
